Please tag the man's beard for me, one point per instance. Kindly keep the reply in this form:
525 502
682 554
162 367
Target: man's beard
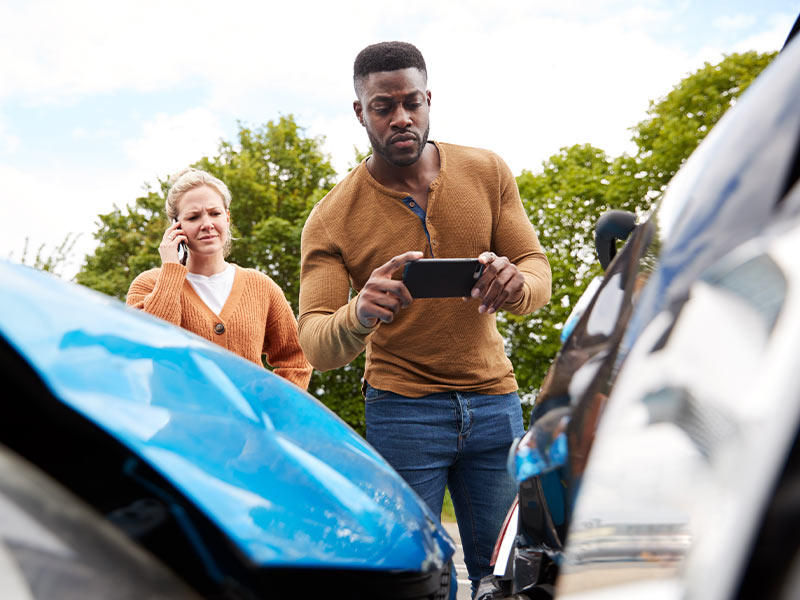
385 153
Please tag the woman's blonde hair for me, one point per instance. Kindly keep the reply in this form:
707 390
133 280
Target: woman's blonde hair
189 179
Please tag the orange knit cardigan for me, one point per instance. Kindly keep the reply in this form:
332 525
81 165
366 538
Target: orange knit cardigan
256 318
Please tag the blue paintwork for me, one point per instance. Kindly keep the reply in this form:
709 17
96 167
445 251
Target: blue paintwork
279 473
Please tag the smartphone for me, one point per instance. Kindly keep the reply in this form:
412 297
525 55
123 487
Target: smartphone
183 253
442 277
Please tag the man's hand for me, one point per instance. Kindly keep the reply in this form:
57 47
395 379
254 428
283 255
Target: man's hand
382 297
500 282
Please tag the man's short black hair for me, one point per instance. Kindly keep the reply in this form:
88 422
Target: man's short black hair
387 56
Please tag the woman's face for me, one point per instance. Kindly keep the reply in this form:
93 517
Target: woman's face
204 220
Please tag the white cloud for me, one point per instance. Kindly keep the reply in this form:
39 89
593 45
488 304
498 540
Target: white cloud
770 39
9 143
171 142
49 205
342 134
560 86
522 78
85 47
734 22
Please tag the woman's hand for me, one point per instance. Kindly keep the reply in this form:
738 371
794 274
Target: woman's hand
168 249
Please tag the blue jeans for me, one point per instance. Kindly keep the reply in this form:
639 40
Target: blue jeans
454 439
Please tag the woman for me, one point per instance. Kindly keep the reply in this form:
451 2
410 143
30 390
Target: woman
242 310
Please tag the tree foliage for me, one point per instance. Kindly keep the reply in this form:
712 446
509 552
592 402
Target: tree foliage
678 122
579 183
50 260
128 242
276 173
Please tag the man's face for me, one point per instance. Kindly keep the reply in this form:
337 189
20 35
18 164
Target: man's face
394 107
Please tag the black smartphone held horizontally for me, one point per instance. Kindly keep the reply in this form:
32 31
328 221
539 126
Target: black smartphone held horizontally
182 251
442 277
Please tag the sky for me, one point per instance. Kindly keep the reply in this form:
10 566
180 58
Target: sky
99 99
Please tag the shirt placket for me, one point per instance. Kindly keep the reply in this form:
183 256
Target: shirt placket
424 220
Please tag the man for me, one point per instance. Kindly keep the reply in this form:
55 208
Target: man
441 400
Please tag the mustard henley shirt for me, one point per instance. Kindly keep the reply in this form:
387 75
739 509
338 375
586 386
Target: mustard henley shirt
435 344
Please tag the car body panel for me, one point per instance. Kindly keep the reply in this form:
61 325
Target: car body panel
286 480
622 534
729 189
665 489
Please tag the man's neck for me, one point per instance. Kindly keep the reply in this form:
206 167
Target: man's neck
416 175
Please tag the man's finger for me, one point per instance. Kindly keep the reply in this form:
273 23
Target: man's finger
482 286
501 299
382 314
388 269
391 287
489 296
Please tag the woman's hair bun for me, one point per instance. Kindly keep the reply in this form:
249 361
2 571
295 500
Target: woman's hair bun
179 174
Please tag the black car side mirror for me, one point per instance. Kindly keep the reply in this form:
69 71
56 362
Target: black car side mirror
612 226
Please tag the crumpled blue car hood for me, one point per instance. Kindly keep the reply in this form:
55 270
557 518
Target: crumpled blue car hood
284 478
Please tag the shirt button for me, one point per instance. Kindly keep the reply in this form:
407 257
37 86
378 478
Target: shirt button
411 204
219 328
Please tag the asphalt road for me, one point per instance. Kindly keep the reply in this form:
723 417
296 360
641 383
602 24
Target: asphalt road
464 592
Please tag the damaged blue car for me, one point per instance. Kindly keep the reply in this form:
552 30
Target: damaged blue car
139 461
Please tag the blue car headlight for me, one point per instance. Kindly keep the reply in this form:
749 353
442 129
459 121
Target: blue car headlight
543 448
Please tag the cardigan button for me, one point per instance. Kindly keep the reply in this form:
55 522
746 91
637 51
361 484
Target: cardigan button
219 328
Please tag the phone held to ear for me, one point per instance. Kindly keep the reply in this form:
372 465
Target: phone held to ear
183 252
442 277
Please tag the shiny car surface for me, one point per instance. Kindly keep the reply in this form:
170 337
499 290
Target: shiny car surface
235 479
661 458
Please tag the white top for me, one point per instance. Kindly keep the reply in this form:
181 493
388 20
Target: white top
213 289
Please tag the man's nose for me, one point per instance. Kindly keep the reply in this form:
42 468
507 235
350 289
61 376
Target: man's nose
401 117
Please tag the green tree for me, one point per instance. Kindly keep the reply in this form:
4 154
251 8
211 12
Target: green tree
276 173
679 121
128 242
563 202
578 184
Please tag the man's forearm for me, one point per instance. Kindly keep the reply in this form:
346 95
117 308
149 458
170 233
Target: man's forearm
537 288
332 340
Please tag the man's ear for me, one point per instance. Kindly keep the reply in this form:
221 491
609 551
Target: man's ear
428 94
359 110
